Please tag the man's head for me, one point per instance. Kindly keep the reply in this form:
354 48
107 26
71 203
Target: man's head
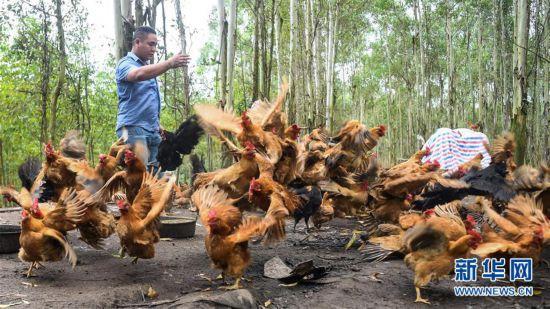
144 42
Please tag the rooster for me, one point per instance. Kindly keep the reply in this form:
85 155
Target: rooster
181 142
137 227
522 231
245 128
433 246
278 203
228 232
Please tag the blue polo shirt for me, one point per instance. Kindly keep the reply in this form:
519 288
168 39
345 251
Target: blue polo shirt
138 102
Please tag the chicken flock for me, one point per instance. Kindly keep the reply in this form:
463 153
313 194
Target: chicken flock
410 209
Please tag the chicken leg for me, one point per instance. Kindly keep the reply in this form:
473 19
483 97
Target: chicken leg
235 286
419 298
29 272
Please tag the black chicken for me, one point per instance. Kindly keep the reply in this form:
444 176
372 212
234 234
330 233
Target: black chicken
490 181
179 143
28 171
311 198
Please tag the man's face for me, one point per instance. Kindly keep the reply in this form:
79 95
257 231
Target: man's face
145 49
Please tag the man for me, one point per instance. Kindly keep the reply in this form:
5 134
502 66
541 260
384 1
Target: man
138 92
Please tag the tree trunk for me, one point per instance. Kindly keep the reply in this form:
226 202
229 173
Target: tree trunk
140 18
520 104
61 72
450 66
185 69
278 22
483 113
45 75
223 54
119 32
231 42
256 61
292 52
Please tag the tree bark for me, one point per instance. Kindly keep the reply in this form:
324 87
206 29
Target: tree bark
185 69
45 75
520 104
61 72
256 60
231 42
223 54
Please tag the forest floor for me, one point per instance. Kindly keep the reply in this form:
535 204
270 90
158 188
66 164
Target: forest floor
176 274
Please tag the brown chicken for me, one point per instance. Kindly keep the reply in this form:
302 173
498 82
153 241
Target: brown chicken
56 171
347 201
286 169
137 227
522 231
40 243
433 246
270 116
227 232
325 213
128 179
316 140
62 216
243 128
278 203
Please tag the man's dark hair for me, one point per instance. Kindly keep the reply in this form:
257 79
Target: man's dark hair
142 32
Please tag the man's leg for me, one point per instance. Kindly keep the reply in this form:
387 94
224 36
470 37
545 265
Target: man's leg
136 135
153 142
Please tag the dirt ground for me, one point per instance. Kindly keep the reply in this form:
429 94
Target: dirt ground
101 280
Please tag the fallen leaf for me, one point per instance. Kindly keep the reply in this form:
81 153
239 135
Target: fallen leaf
151 293
23 302
267 303
374 277
537 292
166 239
29 284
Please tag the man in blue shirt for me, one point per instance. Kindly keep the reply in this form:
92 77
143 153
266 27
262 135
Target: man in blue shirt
138 92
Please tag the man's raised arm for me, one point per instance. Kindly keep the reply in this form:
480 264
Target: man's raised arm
153 70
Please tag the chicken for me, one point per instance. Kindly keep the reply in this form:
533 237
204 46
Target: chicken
40 243
522 231
411 165
244 129
387 239
181 142
472 165
72 146
235 179
62 216
286 168
137 227
278 203
387 208
55 172
316 140
28 171
503 150
347 201
311 199
325 212
433 246
269 115
227 232
129 179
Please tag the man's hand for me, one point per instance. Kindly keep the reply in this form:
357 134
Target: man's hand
178 60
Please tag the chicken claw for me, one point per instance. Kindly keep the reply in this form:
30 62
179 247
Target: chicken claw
419 298
235 286
134 261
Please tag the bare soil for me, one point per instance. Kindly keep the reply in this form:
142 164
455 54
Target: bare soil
101 280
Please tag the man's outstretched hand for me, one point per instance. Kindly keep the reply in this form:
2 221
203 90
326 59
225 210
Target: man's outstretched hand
179 60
